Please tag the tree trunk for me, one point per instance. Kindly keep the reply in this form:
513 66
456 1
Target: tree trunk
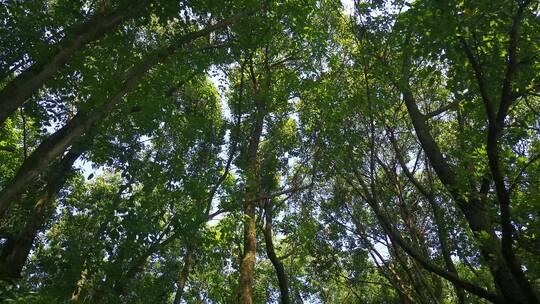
251 169
472 206
247 266
17 91
76 296
56 144
278 266
184 274
14 256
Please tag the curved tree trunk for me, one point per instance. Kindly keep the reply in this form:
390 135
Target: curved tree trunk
474 209
14 256
278 266
18 90
56 144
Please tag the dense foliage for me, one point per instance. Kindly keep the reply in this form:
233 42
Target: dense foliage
246 151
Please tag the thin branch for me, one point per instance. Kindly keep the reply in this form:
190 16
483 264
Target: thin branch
396 237
515 181
482 83
279 193
442 109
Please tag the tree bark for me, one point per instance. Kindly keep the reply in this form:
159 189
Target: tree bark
14 256
247 265
251 169
270 251
495 129
18 90
472 206
76 295
184 274
56 144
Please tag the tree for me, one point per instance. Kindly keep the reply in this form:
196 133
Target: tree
269 151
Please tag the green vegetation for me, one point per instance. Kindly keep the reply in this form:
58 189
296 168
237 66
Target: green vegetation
246 151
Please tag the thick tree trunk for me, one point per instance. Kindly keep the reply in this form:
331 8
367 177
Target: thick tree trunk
473 207
184 274
56 144
278 266
496 124
15 93
79 286
14 256
251 169
247 265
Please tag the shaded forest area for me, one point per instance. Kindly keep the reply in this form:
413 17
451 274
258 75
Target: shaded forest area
270 151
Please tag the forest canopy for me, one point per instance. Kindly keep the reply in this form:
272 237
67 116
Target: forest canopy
270 151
